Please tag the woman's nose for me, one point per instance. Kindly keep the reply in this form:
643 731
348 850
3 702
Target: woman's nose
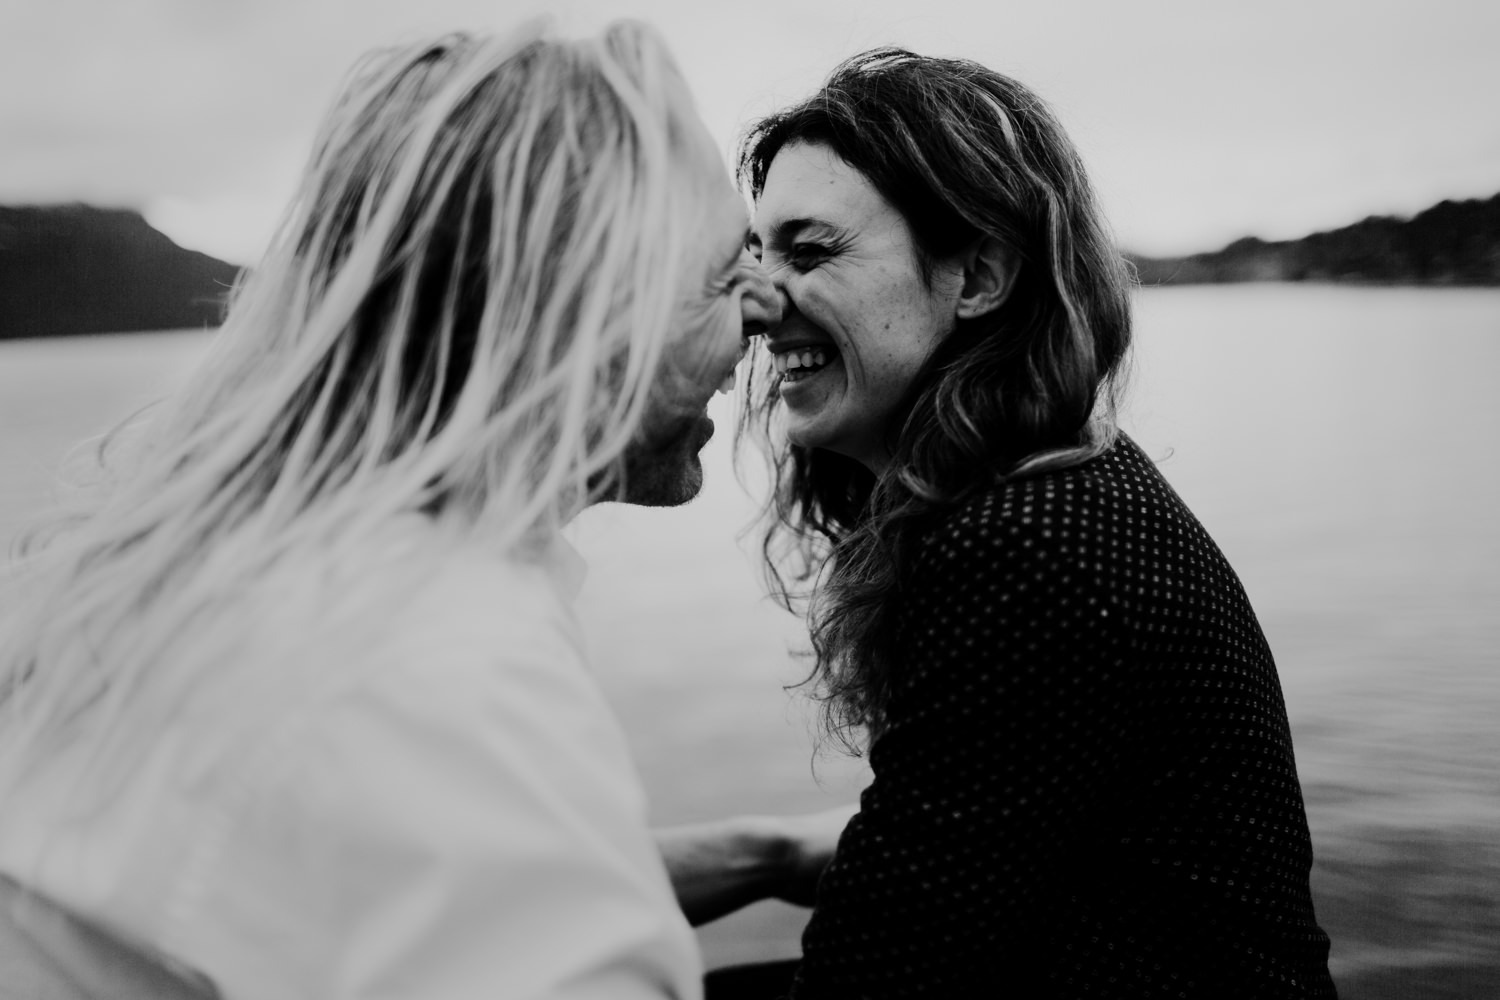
760 303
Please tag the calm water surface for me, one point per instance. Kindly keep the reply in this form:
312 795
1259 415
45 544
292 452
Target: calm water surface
1340 445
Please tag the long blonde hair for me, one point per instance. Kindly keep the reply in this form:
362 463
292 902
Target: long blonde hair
462 314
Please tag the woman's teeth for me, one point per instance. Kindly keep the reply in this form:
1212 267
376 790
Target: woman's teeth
793 365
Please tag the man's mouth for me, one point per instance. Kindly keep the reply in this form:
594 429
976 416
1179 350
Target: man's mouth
795 365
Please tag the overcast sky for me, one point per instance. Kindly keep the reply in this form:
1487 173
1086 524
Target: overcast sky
1201 120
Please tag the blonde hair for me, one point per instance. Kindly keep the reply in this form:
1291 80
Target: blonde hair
462 314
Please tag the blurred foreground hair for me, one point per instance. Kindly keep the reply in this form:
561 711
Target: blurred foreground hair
962 153
461 316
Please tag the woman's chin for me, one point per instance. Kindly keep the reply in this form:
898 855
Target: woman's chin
810 431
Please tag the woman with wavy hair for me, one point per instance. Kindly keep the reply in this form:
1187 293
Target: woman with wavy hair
299 708
1083 781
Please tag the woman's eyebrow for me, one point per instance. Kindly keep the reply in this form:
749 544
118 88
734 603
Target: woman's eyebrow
786 231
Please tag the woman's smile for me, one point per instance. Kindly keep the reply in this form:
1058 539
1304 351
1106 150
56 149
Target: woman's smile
810 380
794 366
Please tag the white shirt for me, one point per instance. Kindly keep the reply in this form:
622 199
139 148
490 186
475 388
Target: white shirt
395 778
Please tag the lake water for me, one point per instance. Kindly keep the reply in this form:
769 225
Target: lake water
1339 443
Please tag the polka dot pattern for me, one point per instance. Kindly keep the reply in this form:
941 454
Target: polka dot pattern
1087 786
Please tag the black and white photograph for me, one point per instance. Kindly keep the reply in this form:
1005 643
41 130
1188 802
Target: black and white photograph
821 500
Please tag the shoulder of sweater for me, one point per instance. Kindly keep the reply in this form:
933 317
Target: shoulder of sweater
1095 515
1027 504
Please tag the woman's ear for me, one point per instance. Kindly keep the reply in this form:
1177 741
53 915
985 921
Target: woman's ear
989 273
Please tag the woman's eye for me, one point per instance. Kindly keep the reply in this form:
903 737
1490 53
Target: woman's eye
805 256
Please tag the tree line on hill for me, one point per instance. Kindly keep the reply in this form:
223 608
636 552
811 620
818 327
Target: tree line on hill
68 269
1451 243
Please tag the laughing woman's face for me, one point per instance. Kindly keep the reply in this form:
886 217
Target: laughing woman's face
858 320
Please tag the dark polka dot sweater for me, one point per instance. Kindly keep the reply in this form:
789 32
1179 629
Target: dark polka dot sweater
1086 787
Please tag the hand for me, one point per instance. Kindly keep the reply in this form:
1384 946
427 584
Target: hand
720 866
810 844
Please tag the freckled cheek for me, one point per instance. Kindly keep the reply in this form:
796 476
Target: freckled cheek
895 345
828 309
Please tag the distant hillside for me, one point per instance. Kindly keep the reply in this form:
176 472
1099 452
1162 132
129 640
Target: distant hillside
75 269
68 269
1451 243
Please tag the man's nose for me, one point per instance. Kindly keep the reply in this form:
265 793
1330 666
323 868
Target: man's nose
760 303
